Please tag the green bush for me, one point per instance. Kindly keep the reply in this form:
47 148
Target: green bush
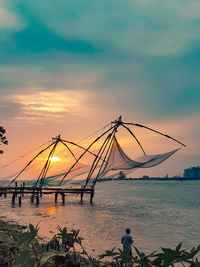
66 249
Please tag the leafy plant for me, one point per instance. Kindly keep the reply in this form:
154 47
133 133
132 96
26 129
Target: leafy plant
70 252
2 138
28 240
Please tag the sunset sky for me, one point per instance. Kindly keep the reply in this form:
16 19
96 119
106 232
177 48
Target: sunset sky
71 67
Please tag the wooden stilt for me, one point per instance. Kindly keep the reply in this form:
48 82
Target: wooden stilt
16 184
56 197
40 192
37 200
81 197
32 198
23 188
63 198
20 201
5 195
13 199
91 197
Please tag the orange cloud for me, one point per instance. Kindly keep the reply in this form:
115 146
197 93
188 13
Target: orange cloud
39 104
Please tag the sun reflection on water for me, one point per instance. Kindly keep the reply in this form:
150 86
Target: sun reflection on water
49 209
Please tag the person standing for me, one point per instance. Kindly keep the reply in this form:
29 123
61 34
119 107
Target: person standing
127 241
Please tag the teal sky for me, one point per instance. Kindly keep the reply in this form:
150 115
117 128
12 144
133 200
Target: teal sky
68 65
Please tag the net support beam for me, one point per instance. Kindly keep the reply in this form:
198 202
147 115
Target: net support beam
85 152
134 138
106 156
31 162
155 131
97 159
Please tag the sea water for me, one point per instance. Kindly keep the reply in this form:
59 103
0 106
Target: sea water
159 214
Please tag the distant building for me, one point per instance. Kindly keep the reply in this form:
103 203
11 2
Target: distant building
145 177
121 176
193 172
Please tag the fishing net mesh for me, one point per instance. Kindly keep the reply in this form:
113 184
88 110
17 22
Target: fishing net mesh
60 169
119 161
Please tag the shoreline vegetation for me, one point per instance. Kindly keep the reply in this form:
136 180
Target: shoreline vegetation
20 246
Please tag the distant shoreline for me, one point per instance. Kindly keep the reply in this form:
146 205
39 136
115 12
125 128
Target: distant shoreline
151 179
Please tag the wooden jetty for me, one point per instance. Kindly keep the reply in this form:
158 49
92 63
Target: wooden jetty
36 193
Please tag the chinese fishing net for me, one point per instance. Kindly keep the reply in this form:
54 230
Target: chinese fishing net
118 161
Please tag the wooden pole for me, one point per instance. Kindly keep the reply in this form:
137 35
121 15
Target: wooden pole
56 197
37 200
84 153
30 163
32 198
82 197
106 154
91 196
21 189
47 164
97 158
63 198
13 199
135 138
23 186
20 201
143 126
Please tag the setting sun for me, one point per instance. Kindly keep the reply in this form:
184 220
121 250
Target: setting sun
54 159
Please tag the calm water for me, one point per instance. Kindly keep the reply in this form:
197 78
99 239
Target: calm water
160 214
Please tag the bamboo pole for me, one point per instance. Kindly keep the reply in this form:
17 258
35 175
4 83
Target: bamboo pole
47 164
85 152
30 163
69 149
95 162
99 172
143 126
72 143
134 138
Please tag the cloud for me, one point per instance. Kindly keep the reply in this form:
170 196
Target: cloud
145 87
79 64
9 19
38 106
146 27
191 10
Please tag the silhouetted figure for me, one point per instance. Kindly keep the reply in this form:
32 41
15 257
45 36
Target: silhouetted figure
127 241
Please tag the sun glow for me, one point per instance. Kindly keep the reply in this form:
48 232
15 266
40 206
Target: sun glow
54 159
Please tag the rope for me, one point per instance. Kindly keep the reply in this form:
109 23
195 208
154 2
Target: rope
11 162
93 134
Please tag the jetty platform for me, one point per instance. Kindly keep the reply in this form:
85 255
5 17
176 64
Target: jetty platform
35 193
